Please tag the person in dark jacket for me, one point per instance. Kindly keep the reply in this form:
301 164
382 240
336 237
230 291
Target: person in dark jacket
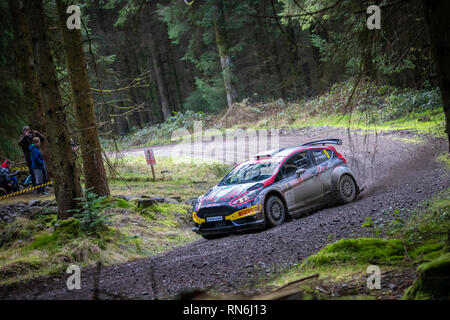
25 140
38 164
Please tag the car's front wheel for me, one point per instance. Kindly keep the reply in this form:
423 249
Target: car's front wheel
275 211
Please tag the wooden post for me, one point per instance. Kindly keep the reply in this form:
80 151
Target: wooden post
153 172
150 158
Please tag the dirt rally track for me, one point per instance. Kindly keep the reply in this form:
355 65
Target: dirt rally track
397 174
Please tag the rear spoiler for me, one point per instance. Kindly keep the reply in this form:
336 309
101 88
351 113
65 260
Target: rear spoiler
324 142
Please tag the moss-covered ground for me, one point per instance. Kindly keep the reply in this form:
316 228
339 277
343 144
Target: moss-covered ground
31 247
416 242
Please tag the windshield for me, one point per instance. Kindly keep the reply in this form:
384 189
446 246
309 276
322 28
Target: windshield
250 172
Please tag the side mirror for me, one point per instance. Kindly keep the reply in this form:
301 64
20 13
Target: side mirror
300 172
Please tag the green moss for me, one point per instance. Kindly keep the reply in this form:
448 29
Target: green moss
122 203
360 251
47 241
428 251
19 229
433 280
171 215
444 158
69 228
51 247
20 266
64 232
168 209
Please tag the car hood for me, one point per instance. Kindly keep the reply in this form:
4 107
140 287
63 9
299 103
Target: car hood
224 194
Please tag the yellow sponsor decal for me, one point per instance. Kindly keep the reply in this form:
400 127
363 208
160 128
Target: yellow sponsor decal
244 212
196 218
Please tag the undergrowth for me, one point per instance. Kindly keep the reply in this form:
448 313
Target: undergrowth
405 240
43 245
372 107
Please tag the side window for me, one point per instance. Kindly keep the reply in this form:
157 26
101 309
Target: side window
321 155
299 160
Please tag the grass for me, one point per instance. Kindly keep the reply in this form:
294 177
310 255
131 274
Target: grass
40 246
429 122
37 247
444 158
421 239
181 179
345 259
360 251
173 179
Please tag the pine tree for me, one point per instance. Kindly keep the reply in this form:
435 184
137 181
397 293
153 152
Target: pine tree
83 106
436 13
66 180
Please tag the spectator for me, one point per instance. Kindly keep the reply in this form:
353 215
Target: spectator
7 164
38 164
26 139
7 180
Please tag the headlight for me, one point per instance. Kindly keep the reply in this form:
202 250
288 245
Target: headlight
246 197
197 204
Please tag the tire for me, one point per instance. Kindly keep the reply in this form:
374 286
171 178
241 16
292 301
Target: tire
275 212
346 190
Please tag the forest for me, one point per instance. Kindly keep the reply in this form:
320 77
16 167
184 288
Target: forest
88 85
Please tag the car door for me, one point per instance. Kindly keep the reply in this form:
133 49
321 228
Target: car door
322 159
299 190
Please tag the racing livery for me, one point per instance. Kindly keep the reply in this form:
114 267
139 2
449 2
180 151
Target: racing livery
273 186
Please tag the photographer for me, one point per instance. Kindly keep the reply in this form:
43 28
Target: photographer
26 139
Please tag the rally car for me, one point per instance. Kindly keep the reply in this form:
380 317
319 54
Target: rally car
273 186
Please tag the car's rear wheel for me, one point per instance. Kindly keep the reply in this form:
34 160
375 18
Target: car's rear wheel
346 191
275 211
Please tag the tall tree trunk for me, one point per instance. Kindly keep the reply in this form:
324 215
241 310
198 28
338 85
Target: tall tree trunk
121 120
27 68
222 46
172 66
93 167
143 115
436 13
67 182
278 70
158 73
25 61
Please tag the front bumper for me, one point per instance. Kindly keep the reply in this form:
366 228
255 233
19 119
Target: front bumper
230 222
